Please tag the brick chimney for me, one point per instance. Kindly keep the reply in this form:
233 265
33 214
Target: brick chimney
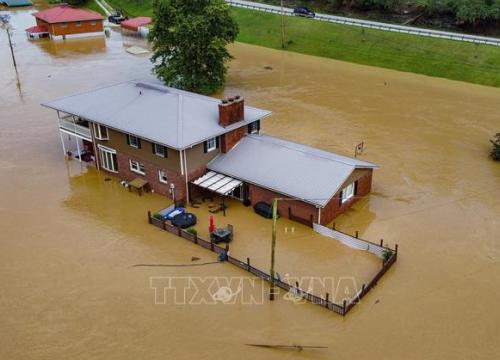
231 110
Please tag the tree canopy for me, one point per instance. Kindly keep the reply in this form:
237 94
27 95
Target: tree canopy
189 41
465 11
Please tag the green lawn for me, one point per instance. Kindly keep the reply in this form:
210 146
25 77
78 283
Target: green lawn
92 5
435 57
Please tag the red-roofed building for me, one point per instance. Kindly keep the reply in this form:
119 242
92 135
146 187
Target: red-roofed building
64 20
136 23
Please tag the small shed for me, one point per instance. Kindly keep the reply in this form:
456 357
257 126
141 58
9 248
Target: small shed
138 24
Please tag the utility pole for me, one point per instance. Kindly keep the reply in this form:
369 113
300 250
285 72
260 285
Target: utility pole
11 47
282 26
273 246
5 22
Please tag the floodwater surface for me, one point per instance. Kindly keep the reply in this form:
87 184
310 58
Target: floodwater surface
69 238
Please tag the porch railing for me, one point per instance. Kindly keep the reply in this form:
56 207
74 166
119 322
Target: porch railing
74 128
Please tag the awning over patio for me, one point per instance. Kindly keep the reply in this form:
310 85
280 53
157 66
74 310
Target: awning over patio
218 183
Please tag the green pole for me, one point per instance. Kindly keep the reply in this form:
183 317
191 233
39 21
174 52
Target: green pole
273 246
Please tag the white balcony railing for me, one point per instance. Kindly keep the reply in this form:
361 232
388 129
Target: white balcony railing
71 127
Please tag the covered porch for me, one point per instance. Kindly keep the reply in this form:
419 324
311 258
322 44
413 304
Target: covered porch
222 187
76 138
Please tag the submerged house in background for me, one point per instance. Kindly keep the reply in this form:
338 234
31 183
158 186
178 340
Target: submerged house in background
185 145
138 25
65 21
16 3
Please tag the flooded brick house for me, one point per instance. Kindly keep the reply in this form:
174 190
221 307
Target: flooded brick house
63 21
185 144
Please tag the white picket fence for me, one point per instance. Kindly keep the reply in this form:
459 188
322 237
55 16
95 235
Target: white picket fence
371 24
350 241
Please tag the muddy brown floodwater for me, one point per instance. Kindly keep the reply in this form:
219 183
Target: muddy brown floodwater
68 238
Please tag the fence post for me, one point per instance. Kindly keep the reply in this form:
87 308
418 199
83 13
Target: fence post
362 291
344 307
396 249
211 244
195 237
179 232
164 225
357 234
333 226
248 264
381 242
149 217
327 299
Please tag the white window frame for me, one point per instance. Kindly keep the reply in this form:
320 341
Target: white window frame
211 144
164 148
348 192
98 132
161 175
135 166
106 158
136 145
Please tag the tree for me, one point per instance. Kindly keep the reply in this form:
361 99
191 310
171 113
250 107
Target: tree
495 152
189 41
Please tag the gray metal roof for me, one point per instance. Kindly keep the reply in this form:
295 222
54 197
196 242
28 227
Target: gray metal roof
172 117
292 169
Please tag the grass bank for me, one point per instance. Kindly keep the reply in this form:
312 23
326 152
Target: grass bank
455 60
92 5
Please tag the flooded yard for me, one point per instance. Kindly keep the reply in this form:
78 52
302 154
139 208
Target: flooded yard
69 238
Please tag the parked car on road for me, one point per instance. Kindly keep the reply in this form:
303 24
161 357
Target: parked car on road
304 12
117 17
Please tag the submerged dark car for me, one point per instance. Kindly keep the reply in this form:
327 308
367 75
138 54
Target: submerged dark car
264 209
304 12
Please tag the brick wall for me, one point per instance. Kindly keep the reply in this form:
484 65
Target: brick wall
152 176
304 210
231 138
334 208
72 27
298 208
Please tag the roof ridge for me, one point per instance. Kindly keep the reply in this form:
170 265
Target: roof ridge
313 152
92 90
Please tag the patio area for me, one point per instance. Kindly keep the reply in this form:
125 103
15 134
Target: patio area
318 263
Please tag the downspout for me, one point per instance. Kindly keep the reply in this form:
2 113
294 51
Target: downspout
186 177
319 216
182 162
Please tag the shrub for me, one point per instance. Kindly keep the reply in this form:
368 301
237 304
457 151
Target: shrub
495 152
386 255
158 216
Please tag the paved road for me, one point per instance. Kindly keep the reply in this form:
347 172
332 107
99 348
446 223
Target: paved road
372 24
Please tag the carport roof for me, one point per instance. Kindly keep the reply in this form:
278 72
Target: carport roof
295 170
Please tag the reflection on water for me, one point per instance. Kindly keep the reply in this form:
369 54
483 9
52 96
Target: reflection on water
66 252
73 47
